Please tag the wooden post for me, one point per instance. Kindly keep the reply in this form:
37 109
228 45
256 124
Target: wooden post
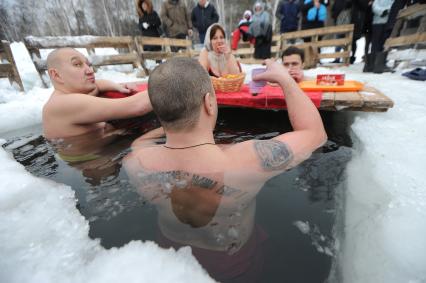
10 70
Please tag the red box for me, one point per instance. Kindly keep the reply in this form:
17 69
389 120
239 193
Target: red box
331 79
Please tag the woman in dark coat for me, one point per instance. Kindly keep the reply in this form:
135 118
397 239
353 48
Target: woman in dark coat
149 22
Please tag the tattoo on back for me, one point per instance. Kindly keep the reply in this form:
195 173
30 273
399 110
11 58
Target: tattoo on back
273 154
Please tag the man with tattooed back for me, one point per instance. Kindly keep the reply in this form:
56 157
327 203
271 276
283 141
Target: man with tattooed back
205 192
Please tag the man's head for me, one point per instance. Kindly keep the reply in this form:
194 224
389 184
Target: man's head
70 71
180 91
202 3
293 60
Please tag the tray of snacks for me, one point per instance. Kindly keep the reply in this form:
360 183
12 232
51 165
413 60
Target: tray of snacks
331 82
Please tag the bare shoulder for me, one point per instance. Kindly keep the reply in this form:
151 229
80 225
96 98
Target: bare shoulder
203 59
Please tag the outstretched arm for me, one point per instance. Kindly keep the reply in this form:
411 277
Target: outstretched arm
287 150
82 109
105 85
308 130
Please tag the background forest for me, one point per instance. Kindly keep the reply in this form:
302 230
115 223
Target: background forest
20 18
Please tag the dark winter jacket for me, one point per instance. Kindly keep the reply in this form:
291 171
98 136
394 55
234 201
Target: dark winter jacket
339 6
175 18
359 10
289 15
154 24
313 17
203 17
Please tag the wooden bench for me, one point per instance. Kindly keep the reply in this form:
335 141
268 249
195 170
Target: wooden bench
8 69
331 36
126 45
245 51
405 35
169 47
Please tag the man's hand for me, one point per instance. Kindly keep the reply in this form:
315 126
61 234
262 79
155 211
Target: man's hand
145 25
190 32
224 49
297 75
274 72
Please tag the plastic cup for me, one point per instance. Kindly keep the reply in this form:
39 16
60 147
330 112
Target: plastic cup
256 86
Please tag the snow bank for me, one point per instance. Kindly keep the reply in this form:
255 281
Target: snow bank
385 217
43 238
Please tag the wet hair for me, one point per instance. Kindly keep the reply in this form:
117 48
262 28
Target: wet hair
214 29
139 7
176 89
292 50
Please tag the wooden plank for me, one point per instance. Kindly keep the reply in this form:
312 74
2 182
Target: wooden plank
405 40
244 51
350 99
374 98
5 70
180 42
344 54
115 59
163 41
327 100
156 55
412 11
87 41
100 60
319 31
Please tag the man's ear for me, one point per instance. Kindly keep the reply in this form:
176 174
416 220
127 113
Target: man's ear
55 76
209 103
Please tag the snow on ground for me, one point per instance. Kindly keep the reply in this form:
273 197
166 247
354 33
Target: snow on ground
43 238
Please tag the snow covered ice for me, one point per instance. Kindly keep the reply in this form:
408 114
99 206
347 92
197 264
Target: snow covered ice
43 237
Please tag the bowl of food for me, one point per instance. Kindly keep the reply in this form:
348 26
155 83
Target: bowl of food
229 82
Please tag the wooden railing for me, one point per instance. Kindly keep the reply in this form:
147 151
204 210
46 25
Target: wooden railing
403 34
131 50
8 66
128 53
245 51
333 36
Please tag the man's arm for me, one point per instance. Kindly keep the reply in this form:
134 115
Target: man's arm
84 109
286 150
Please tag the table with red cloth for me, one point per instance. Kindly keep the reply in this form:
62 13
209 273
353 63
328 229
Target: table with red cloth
270 97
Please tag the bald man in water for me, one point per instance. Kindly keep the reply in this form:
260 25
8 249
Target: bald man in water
74 108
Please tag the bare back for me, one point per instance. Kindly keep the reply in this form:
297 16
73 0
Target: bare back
218 182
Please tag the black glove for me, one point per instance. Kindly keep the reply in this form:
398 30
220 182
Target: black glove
385 13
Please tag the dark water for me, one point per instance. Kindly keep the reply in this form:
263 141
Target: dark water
296 210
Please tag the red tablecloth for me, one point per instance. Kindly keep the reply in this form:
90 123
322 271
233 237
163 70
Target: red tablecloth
269 98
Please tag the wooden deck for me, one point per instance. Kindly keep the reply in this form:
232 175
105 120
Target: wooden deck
368 99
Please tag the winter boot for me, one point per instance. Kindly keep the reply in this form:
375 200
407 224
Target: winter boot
380 63
369 63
